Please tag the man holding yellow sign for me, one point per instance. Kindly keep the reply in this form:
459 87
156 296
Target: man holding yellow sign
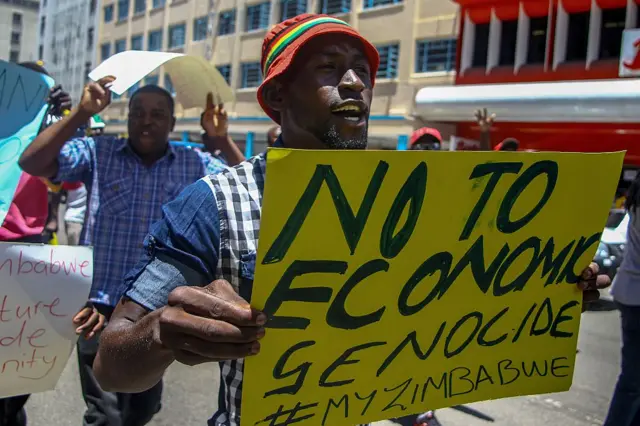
391 305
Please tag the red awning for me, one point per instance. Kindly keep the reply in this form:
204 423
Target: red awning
536 8
611 4
507 12
480 15
576 6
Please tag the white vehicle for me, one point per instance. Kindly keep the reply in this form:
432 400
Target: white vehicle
613 241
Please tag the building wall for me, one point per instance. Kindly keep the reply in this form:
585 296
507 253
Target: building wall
403 24
67 41
568 53
18 38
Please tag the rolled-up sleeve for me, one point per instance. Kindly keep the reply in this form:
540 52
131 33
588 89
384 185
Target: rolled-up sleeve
76 160
181 249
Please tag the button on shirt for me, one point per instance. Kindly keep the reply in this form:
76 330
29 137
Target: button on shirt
125 197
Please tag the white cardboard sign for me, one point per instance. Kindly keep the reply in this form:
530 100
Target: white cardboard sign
192 76
42 288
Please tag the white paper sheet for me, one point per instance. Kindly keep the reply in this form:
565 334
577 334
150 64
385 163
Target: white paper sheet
42 287
192 76
130 67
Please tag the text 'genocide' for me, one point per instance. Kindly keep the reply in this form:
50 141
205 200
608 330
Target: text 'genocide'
551 262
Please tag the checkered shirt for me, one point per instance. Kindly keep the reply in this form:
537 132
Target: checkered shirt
124 198
238 193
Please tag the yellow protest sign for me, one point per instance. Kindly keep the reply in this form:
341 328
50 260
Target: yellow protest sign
397 282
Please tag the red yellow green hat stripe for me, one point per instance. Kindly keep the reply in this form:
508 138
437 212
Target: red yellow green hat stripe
295 32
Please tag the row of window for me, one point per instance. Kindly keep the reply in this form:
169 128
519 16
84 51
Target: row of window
139 7
257 15
431 56
612 25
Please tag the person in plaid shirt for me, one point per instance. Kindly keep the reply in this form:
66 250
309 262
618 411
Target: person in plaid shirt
189 297
127 181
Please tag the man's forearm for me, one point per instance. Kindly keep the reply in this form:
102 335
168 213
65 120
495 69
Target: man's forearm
129 359
485 140
227 147
41 156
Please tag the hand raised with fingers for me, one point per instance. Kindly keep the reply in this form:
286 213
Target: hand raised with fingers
96 96
484 120
214 119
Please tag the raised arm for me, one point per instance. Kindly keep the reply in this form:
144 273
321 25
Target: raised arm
215 123
485 121
41 156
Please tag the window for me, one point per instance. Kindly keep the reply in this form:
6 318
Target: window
225 70
251 76
481 46
435 55
17 19
508 37
168 85
388 61
200 27
92 7
291 8
155 41
177 36
227 22
121 45
140 6
611 28
151 80
43 21
105 51
87 70
108 13
90 39
367 4
158 3
14 56
40 51
578 36
133 89
258 16
537 45
136 42
15 38
335 6
123 10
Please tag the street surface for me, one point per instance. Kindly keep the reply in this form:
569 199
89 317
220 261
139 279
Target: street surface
190 393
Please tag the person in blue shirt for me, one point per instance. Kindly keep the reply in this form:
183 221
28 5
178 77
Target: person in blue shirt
127 182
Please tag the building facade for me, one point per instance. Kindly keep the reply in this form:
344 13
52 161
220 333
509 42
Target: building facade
67 41
416 40
18 30
550 70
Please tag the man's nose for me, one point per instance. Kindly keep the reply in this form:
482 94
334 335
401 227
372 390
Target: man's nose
351 81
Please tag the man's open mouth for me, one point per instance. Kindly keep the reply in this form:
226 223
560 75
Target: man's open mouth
350 111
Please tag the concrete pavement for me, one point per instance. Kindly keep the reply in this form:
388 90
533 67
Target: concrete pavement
190 393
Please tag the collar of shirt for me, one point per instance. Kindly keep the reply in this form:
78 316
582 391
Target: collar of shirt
125 147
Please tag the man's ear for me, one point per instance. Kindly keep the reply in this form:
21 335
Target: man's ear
273 95
173 123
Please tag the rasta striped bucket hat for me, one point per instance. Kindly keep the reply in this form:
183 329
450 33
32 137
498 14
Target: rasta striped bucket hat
283 41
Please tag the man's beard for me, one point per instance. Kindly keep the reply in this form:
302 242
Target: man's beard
331 139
